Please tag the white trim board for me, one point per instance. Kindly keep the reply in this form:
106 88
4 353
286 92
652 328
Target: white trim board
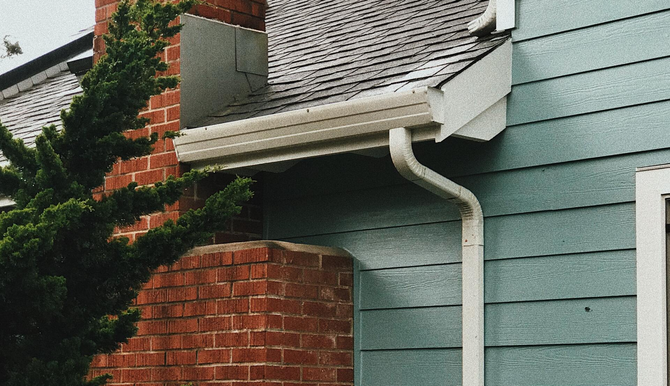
505 15
652 189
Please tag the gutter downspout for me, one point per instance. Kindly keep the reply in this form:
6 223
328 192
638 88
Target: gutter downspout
400 144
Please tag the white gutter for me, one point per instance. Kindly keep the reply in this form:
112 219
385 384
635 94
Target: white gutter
400 144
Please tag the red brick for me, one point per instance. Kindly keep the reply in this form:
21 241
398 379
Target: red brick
169 342
155 116
173 53
341 326
151 327
135 375
113 183
325 310
149 177
220 323
216 291
156 220
188 262
200 308
197 341
163 160
248 322
301 259
172 113
134 165
198 373
121 360
335 294
259 271
177 358
276 373
337 263
345 375
99 361
150 359
345 342
232 306
168 311
214 356
318 341
168 280
181 294
345 310
206 276
346 279
232 372
276 288
284 273
335 358
152 296
300 324
166 374
246 288
251 256
320 277
303 291
182 325
240 355
217 259
302 357
240 272
231 339
283 306
319 374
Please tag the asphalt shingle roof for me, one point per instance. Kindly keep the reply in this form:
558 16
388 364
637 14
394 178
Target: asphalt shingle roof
323 52
28 111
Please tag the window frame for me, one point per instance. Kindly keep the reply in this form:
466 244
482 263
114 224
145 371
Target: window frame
652 190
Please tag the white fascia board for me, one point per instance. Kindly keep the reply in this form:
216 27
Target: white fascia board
505 15
472 106
474 91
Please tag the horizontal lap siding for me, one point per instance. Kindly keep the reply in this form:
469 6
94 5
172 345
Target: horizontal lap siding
591 102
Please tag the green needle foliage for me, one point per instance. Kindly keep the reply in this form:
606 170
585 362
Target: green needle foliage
66 284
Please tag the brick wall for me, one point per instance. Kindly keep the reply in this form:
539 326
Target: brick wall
258 313
164 114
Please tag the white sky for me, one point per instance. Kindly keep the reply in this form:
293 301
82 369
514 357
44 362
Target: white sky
42 25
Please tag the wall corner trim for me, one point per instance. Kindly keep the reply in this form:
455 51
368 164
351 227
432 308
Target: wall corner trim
652 189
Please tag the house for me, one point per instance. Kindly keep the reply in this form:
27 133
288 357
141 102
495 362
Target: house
363 114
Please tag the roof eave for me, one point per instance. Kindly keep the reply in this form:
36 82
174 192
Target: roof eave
472 106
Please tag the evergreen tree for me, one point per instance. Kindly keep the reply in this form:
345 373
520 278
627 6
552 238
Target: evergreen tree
66 284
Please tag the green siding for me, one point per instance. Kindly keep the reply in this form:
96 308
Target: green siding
636 39
541 17
580 365
590 104
596 320
610 88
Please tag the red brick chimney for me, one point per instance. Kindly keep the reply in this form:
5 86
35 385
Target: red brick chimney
166 112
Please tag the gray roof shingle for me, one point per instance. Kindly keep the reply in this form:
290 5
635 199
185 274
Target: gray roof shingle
323 52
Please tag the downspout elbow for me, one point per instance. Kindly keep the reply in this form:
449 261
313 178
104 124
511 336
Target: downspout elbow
486 22
400 142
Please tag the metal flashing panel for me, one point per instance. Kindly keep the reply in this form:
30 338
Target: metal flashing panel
215 60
